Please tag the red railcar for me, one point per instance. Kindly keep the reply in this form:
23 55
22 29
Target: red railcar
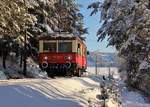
62 54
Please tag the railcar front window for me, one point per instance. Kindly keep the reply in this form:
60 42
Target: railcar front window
49 47
65 47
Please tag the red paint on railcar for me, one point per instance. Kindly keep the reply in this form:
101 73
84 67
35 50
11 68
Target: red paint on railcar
55 60
61 58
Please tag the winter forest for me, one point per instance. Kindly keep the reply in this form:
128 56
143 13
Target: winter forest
23 21
126 24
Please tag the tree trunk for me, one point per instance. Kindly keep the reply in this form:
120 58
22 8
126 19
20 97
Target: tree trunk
4 54
25 55
24 64
21 60
149 4
4 61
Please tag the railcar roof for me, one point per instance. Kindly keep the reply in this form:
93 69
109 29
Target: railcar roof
60 36
57 36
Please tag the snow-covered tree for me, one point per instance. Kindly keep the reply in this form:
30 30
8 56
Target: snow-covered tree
22 21
14 21
14 17
127 24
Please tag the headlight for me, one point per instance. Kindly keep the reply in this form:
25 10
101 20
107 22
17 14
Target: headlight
68 58
46 58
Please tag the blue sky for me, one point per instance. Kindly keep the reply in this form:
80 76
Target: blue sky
93 23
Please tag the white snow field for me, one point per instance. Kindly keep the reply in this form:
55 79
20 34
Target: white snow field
128 98
62 92
59 92
133 99
103 71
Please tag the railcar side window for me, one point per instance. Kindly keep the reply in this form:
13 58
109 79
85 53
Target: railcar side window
79 49
65 46
49 47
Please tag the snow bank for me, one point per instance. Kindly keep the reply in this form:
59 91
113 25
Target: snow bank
33 71
62 92
59 92
103 71
2 75
13 70
144 65
133 99
18 96
128 98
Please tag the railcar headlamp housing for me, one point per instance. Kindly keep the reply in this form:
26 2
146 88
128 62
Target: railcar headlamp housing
68 57
45 58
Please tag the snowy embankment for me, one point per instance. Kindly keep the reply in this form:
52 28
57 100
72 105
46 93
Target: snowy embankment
59 92
103 71
132 98
129 98
14 71
63 92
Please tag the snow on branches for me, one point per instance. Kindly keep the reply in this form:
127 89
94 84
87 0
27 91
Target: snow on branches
127 24
14 17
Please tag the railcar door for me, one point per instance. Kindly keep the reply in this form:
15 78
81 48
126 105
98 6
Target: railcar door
79 55
84 55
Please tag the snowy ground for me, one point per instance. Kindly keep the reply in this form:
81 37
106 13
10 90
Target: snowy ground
19 96
103 71
63 92
60 92
133 98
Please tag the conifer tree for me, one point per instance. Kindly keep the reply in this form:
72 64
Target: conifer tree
127 24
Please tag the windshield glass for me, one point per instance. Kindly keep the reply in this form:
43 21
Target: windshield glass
49 47
65 47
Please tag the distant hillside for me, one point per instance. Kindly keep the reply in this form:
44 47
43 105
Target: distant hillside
103 59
